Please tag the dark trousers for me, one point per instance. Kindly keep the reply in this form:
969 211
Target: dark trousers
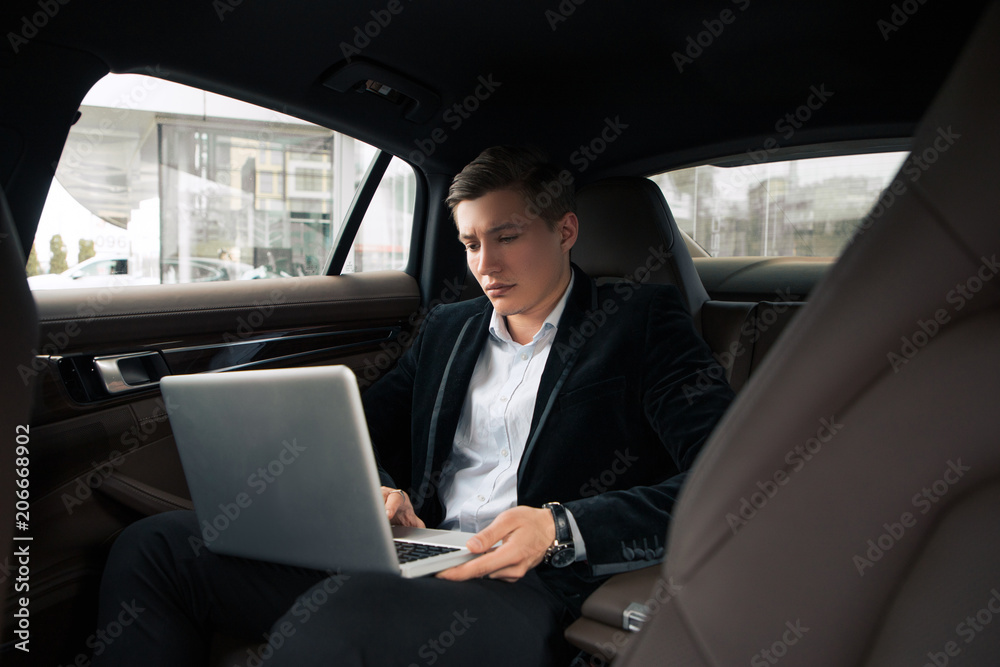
169 595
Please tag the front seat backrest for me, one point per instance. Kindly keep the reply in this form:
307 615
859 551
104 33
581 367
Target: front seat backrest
845 510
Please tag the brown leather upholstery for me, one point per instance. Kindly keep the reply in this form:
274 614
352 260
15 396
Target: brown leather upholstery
600 630
877 548
17 338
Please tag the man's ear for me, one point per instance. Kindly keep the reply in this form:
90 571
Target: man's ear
568 228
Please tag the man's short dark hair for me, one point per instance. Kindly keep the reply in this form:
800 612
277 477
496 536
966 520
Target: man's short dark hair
548 191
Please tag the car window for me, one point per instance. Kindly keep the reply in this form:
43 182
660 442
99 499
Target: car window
383 241
161 183
805 208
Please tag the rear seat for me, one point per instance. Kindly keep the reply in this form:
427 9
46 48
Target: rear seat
628 233
626 228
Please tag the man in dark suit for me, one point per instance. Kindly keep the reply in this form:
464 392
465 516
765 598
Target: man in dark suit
549 414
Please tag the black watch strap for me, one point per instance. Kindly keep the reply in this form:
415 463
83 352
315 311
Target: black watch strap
562 553
564 534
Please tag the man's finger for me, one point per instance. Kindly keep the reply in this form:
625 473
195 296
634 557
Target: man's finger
480 567
471 570
392 503
485 539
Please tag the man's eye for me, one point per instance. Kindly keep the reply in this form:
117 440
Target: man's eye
507 239
472 247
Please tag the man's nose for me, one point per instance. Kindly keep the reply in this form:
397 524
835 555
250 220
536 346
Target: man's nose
488 260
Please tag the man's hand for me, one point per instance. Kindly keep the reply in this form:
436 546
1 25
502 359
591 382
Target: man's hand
527 533
398 508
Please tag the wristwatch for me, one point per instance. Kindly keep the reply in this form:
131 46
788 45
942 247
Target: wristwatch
562 552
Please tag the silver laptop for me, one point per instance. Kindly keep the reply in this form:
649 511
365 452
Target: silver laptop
280 468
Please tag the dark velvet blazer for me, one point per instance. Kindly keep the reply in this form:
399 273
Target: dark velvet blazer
629 394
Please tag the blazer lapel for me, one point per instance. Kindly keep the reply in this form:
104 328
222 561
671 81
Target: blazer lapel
565 350
453 388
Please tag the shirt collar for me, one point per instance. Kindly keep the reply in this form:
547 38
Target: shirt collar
498 326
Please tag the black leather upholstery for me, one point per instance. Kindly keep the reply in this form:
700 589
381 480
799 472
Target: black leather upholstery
628 232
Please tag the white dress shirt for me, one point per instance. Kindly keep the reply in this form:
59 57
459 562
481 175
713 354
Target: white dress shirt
493 426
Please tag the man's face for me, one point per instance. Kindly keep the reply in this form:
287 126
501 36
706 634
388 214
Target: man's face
521 264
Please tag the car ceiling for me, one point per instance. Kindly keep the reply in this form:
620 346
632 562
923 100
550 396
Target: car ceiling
560 80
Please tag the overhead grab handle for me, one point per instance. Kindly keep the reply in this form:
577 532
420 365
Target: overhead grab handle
419 102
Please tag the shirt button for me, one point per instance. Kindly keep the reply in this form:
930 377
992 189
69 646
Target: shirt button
503 399
482 499
524 355
504 453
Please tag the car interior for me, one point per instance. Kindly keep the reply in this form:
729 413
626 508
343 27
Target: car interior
843 511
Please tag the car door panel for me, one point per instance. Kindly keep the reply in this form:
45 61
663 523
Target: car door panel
101 459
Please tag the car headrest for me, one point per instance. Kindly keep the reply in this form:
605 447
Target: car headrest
627 232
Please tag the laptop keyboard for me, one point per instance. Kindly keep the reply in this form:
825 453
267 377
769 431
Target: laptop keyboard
407 552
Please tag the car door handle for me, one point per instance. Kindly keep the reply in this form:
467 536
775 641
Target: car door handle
126 372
